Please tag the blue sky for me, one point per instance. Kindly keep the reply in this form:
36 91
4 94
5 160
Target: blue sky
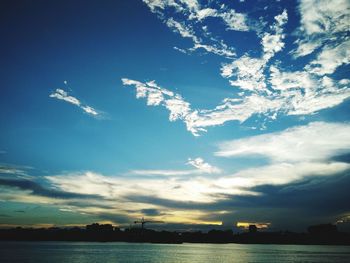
198 113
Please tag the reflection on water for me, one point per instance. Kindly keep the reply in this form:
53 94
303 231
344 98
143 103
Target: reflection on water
79 252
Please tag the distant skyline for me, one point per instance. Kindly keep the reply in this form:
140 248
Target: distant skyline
201 114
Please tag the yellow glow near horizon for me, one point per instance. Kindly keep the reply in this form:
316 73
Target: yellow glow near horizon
246 225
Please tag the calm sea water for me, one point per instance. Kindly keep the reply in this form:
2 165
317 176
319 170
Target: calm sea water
80 252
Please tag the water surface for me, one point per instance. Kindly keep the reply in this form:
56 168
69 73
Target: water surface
90 252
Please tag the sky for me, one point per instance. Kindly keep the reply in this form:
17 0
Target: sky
200 114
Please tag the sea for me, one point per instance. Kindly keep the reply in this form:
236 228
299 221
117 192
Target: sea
93 252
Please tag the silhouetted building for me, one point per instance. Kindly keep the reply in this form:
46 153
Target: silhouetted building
325 234
101 228
253 229
323 229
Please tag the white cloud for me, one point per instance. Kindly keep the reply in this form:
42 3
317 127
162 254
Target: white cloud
330 58
317 141
182 29
195 189
248 72
304 93
265 87
204 13
14 171
292 93
63 95
273 42
294 154
320 21
188 14
119 191
306 46
324 16
203 166
221 49
291 80
161 4
198 120
234 20
60 94
165 172
281 173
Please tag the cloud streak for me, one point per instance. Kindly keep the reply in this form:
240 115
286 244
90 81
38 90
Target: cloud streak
294 154
317 141
39 190
261 85
201 166
60 94
187 19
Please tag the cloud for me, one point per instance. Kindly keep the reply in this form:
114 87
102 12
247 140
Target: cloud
295 93
292 172
321 21
11 170
188 15
239 109
190 189
234 20
291 206
165 172
296 205
291 93
304 93
247 67
273 42
262 86
39 190
182 29
248 73
60 94
299 158
330 58
317 141
203 166
322 16
151 212
15 171
295 153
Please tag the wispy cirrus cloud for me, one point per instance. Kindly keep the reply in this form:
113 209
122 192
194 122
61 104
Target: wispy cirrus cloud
239 109
39 190
187 18
296 93
261 85
201 166
60 94
15 171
